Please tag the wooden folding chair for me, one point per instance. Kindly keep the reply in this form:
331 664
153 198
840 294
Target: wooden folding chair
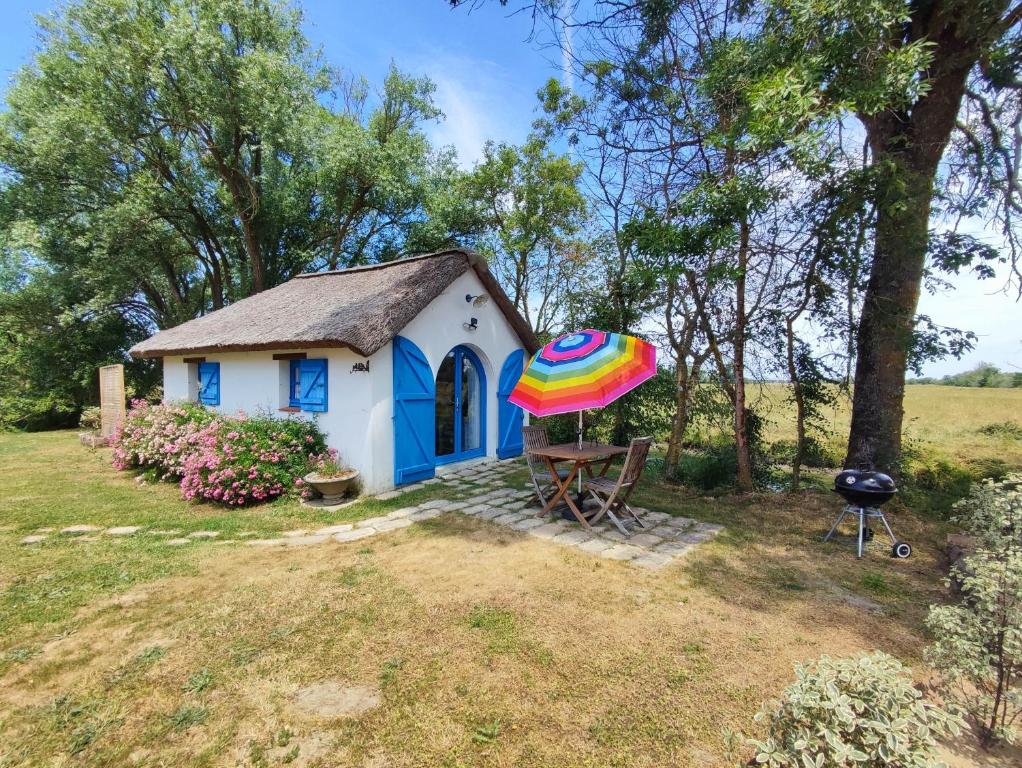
613 494
535 437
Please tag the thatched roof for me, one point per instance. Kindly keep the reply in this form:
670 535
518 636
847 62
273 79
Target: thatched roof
362 308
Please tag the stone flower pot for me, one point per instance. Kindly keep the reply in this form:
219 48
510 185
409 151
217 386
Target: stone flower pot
332 489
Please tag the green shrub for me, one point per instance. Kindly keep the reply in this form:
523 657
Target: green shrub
1002 429
818 455
91 418
715 466
861 711
978 646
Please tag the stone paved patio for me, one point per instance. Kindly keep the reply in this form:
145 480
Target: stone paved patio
479 490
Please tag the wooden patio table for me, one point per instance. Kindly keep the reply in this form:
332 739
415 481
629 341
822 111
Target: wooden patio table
582 460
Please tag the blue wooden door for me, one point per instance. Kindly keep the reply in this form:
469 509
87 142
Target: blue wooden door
414 395
509 416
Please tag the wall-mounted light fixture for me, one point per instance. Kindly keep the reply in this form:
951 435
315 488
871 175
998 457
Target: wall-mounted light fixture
477 301
472 325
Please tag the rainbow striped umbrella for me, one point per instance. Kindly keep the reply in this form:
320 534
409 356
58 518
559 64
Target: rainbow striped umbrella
587 369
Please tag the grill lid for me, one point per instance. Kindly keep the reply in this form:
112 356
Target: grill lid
865 487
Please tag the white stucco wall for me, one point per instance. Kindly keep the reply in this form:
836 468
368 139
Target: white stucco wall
358 422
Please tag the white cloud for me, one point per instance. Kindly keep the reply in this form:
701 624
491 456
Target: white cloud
480 99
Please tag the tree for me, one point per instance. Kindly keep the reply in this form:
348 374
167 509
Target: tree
530 204
902 69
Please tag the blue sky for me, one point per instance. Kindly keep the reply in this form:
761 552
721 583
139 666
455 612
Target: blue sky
487 73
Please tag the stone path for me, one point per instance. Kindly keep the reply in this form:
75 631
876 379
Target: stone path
479 490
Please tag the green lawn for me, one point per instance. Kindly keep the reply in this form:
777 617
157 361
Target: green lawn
484 647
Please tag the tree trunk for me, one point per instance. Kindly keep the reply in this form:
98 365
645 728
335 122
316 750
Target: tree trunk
743 481
680 421
800 407
907 148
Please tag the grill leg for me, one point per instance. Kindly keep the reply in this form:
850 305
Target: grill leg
862 528
890 533
833 528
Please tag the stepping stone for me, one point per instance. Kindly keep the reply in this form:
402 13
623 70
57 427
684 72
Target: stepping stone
647 540
680 522
527 523
673 548
34 539
435 504
652 560
392 525
432 481
454 506
178 542
614 535
295 533
403 512
330 529
425 514
622 552
475 510
303 541
243 534
45 530
173 532
74 530
266 542
574 537
387 496
547 530
655 517
664 531
205 534
124 530
358 533
695 537
412 487
595 546
508 518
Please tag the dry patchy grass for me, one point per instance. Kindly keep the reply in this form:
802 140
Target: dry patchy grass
486 647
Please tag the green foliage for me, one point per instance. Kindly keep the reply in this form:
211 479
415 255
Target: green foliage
529 199
162 159
857 711
977 648
983 375
817 453
91 418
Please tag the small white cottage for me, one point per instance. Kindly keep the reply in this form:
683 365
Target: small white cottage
405 365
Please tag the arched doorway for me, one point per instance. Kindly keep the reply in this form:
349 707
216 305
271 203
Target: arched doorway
460 407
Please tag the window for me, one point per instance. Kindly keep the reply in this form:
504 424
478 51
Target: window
294 384
209 383
303 385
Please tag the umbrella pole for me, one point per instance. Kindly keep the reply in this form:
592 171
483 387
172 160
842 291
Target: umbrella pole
579 435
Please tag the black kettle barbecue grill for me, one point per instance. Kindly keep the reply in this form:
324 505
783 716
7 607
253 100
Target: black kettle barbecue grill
865 491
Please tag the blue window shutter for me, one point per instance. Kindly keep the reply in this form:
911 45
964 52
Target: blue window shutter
414 414
209 383
294 384
313 385
509 416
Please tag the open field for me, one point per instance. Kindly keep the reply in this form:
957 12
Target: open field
946 420
479 646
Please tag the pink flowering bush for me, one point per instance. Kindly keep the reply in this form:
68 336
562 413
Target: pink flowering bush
229 460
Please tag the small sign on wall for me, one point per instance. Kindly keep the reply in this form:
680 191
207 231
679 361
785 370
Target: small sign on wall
360 367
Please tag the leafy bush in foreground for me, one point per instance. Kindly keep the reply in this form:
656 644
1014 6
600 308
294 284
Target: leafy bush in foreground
978 646
858 711
229 460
